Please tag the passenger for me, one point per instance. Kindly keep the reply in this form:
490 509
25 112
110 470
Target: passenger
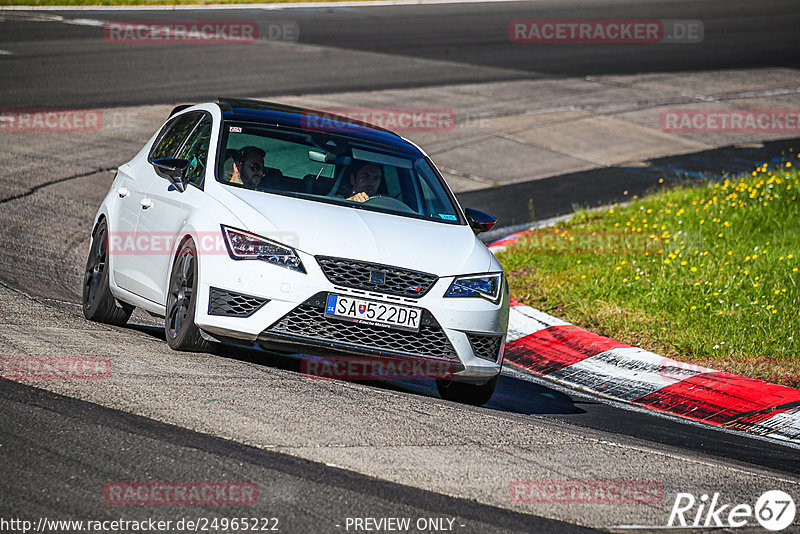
248 167
365 180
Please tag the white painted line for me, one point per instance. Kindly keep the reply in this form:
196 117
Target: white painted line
625 373
6 53
269 7
521 373
85 22
785 425
524 321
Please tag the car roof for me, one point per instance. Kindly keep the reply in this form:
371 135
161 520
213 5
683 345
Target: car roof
310 120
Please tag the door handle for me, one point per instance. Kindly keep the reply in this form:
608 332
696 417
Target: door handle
146 203
123 192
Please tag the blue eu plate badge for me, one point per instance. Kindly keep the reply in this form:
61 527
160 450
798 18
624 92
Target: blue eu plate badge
330 307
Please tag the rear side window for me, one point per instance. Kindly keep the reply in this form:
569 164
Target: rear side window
173 135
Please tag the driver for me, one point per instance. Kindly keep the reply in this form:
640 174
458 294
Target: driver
248 167
365 179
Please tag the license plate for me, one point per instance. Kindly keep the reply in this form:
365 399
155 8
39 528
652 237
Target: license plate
372 312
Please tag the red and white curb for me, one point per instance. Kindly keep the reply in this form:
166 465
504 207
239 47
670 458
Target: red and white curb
549 347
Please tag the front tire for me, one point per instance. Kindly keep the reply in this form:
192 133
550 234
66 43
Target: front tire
465 393
179 327
98 303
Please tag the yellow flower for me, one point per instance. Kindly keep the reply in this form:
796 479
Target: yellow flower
666 262
693 269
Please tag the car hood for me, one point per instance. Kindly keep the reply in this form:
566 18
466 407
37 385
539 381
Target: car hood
323 229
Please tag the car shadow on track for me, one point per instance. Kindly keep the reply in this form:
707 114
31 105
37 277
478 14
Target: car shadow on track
513 394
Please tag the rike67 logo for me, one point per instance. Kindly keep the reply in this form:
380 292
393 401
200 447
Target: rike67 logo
774 510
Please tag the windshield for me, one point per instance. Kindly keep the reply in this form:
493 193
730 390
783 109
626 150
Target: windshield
333 169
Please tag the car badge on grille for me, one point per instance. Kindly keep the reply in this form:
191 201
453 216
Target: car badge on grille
377 277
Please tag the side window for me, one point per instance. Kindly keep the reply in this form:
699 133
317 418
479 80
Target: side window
174 133
432 204
196 151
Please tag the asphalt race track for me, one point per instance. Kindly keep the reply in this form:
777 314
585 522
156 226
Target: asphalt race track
55 64
321 451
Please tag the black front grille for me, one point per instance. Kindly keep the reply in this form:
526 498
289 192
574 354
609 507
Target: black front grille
229 304
486 347
359 275
307 322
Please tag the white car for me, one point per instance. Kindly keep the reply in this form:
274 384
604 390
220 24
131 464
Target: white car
297 230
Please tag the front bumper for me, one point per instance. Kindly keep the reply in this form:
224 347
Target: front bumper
284 309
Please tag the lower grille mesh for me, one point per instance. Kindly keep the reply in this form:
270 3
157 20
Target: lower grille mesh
486 347
229 304
309 322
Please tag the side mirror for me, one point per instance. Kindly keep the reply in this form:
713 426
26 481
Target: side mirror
479 221
173 170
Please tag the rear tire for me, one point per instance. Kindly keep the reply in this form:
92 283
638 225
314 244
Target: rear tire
98 302
466 393
179 327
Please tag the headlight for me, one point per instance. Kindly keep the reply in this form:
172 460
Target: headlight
246 246
488 286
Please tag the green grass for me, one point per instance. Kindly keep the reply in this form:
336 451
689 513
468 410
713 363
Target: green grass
705 273
144 2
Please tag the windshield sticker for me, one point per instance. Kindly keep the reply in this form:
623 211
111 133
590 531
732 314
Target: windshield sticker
447 217
235 129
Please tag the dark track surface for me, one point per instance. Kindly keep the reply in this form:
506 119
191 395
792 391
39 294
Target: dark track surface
62 65
299 493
